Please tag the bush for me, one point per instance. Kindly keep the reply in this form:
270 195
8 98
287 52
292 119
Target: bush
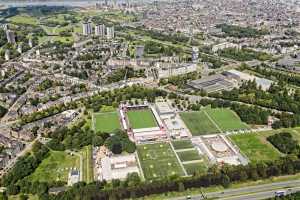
284 142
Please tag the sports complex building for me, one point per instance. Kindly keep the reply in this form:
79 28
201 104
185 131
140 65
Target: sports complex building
212 83
227 81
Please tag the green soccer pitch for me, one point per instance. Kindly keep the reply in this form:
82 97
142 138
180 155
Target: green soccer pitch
106 122
158 160
141 119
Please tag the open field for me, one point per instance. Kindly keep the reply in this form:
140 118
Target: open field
86 153
141 119
182 144
24 19
55 167
226 119
158 160
196 168
198 123
188 155
106 122
256 147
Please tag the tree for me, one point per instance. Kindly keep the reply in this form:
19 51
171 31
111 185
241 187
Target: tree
180 187
97 141
115 183
133 179
225 181
116 148
23 197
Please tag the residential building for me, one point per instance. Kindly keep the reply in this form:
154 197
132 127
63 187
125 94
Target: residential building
195 54
87 28
100 30
110 32
11 38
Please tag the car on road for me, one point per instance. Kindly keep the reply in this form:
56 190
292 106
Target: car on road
280 193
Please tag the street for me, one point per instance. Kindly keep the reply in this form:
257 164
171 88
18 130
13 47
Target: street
251 192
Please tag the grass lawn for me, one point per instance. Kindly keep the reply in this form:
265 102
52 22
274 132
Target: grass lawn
55 167
88 175
141 119
196 168
106 122
24 19
256 147
158 160
226 119
182 144
189 155
198 123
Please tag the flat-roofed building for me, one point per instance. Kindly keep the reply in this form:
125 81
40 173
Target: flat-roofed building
265 84
118 167
164 109
212 83
166 70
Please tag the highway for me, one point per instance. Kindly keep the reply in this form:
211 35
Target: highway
249 193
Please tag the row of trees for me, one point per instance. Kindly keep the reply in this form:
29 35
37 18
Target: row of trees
244 54
216 176
216 62
81 135
241 32
276 97
180 80
284 77
25 166
113 98
2 111
159 48
127 72
247 113
46 113
107 98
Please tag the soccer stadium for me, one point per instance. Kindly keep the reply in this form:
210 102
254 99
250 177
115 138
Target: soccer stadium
142 123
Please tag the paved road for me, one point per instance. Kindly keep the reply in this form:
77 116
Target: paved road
251 192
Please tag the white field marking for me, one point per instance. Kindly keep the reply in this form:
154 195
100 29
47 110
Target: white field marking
216 125
178 159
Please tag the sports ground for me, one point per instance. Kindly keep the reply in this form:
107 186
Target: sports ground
106 121
141 119
158 160
226 119
211 121
256 147
198 123
182 144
